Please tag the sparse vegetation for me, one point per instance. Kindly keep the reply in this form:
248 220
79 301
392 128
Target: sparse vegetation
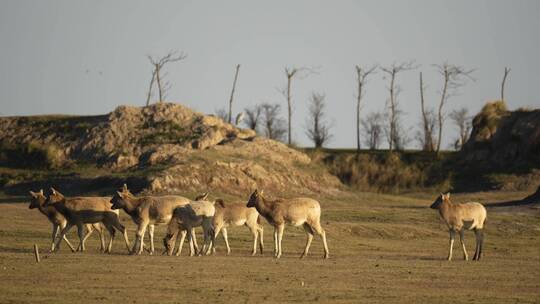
168 132
31 155
489 117
379 171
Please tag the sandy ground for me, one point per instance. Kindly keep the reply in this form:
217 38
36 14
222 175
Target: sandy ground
384 249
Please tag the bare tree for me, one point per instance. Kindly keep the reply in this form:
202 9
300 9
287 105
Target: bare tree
427 143
428 122
454 77
372 126
222 113
291 73
158 64
462 120
272 123
393 104
361 78
150 88
317 129
232 92
253 115
506 72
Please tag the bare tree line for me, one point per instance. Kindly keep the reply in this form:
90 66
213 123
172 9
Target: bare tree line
266 118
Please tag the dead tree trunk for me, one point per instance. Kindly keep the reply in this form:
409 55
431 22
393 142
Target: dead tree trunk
392 112
428 131
454 77
291 73
361 77
289 108
506 72
232 92
150 88
440 116
393 103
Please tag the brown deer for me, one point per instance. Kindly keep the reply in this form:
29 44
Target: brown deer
185 219
236 214
59 222
301 211
146 211
86 210
458 217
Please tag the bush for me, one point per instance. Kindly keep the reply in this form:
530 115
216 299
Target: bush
384 172
31 155
487 120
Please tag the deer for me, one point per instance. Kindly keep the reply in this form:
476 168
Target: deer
86 210
461 217
236 214
302 211
58 221
146 212
185 219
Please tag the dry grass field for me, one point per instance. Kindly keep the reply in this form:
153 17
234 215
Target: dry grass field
383 249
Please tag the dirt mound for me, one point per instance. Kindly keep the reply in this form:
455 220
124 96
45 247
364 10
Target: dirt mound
176 148
504 137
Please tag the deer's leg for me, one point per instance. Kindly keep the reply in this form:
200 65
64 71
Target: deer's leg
191 242
322 233
183 234
151 235
479 243
58 232
112 233
89 231
309 233
209 236
255 233
260 230
217 230
452 237
54 233
116 224
212 236
281 228
226 238
62 236
99 229
194 239
80 232
462 241
139 239
275 241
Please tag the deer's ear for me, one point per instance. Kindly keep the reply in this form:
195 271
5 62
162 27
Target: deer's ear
53 191
448 195
125 188
262 191
442 195
32 193
119 193
41 191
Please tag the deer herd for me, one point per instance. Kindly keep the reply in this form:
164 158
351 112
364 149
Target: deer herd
182 215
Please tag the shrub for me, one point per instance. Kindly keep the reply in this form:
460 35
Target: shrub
383 172
487 120
31 155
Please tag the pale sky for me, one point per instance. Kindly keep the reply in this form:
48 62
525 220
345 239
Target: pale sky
88 57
